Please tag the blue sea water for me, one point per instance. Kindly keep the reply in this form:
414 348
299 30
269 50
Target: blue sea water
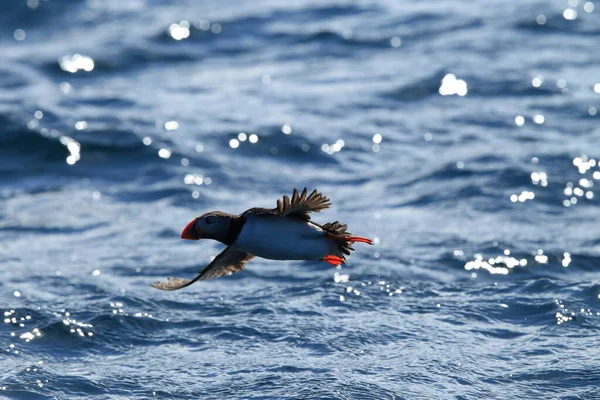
464 137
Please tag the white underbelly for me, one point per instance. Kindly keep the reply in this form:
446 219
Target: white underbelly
279 238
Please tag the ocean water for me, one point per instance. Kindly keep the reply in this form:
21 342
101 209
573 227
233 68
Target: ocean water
463 137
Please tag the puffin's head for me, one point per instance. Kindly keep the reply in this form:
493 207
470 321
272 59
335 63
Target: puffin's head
212 225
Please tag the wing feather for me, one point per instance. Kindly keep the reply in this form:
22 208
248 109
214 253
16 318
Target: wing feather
229 261
301 205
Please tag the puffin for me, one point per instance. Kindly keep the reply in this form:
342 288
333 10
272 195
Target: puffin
285 232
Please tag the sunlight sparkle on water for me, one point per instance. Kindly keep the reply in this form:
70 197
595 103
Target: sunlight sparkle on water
499 265
75 326
490 265
582 163
73 147
19 35
541 19
195 179
75 63
171 125
564 315
569 14
539 178
341 278
164 153
566 259
202 24
180 31
450 85
33 124
29 336
333 148
586 183
519 120
584 188
523 197
81 125
65 87
540 257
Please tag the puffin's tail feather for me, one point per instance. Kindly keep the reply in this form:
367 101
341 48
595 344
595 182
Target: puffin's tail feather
337 231
358 239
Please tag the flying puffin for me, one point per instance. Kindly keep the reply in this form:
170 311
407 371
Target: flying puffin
285 232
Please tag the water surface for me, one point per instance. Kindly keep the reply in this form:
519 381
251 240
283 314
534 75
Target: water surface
462 136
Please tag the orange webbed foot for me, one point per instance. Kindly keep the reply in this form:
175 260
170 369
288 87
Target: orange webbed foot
333 260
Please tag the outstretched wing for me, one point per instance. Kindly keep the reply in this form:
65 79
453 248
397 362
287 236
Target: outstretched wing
301 204
229 261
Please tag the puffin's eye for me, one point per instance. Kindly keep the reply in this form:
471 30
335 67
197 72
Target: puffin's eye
209 219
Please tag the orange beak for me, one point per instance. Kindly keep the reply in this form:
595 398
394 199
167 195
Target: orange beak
190 232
